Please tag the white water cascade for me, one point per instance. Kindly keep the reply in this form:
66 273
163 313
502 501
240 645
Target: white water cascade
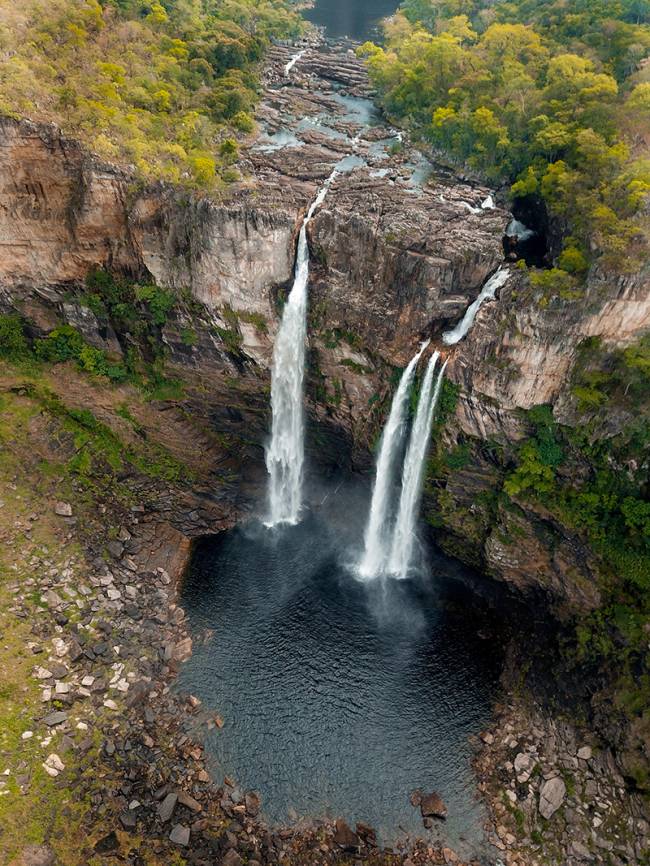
293 61
404 533
518 230
449 338
285 452
376 539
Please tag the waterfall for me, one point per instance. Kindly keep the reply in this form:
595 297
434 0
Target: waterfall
293 61
285 452
518 230
488 291
413 471
376 540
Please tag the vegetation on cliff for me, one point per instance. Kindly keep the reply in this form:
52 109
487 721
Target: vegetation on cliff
553 96
165 86
585 480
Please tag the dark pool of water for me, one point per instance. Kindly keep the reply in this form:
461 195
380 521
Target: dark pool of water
356 19
338 697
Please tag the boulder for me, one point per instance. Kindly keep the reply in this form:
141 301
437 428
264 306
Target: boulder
252 800
345 837
432 806
551 797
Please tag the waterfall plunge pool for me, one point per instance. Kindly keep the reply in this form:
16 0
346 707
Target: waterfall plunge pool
339 697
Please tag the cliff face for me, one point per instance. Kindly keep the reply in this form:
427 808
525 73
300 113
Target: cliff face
522 349
394 260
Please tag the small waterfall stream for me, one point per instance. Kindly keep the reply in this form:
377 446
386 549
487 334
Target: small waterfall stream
412 473
293 61
285 452
376 540
449 338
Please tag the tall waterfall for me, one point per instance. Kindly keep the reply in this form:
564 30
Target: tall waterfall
488 291
407 513
376 540
285 452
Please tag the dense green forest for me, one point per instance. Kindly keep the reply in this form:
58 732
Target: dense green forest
553 97
165 86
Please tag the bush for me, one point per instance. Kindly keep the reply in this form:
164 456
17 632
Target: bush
13 343
66 344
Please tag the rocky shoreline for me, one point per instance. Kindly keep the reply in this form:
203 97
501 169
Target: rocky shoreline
112 729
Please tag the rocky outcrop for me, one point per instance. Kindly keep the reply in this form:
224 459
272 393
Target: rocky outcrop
522 347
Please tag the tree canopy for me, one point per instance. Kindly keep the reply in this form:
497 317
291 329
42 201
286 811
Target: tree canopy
165 86
554 96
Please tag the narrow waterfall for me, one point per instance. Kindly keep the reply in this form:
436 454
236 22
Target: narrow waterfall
407 513
285 452
376 540
449 338
293 61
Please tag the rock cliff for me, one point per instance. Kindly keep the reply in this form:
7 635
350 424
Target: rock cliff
399 249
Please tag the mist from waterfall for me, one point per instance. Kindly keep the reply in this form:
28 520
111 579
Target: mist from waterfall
404 533
376 539
449 338
285 451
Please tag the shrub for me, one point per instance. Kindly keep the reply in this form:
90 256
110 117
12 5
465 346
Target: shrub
13 343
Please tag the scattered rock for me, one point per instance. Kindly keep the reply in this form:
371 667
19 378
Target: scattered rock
180 835
107 844
166 808
183 650
524 766
189 802
37 855
115 548
580 851
585 753
252 800
63 509
56 718
53 765
231 858
432 806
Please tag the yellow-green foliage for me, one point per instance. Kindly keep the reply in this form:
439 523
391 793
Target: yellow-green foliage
551 95
160 85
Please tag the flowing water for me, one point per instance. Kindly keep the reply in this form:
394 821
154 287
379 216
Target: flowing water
449 338
404 533
285 452
338 697
377 535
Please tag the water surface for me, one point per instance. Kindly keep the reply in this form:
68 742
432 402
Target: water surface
338 697
356 19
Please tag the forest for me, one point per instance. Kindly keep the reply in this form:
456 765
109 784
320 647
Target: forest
551 97
166 87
